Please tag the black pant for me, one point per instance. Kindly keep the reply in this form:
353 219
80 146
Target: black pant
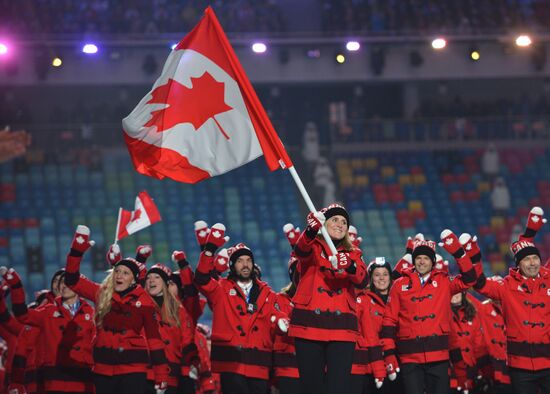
233 383
314 356
527 382
186 385
430 378
289 385
362 384
130 383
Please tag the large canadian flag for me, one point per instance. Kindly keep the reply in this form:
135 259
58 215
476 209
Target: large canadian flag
145 213
202 117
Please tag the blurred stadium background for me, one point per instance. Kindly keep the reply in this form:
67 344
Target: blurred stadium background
400 98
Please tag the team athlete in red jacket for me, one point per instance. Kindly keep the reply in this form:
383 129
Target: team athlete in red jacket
243 313
368 370
465 342
525 298
66 332
324 321
175 325
127 338
416 322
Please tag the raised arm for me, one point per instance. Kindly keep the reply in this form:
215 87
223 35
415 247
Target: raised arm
77 282
467 277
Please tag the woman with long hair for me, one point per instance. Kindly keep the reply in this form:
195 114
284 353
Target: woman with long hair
127 339
465 342
176 328
324 322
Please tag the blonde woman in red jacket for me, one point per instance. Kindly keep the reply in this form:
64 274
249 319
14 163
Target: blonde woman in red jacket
175 325
127 339
324 322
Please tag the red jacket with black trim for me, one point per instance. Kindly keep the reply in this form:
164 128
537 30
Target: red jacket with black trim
324 303
179 344
10 329
66 343
494 336
190 294
208 382
526 311
465 346
128 340
284 352
417 318
28 356
241 332
368 357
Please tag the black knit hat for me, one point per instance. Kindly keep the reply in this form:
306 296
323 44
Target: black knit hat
379 262
336 209
426 248
163 271
131 264
56 274
522 248
237 251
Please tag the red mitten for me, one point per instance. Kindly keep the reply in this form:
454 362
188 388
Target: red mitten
143 252
160 387
471 247
179 258
535 220
201 233
410 246
440 264
215 240
392 366
355 240
451 244
113 254
378 370
403 264
419 237
291 233
11 277
342 262
221 262
315 221
142 272
81 241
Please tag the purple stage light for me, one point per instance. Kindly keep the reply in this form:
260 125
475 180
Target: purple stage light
89 49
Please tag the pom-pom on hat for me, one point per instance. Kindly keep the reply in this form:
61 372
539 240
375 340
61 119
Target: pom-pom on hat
378 262
336 209
522 249
162 270
424 247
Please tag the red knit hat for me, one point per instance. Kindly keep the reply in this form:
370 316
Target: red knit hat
131 264
336 209
237 251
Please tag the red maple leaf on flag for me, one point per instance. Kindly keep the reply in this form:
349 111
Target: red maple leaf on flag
195 105
136 215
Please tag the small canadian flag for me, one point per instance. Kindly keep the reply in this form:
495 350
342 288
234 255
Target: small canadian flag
145 213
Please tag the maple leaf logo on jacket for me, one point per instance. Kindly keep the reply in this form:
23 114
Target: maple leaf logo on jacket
202 102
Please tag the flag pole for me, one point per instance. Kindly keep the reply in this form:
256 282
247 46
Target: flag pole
312 208
117 224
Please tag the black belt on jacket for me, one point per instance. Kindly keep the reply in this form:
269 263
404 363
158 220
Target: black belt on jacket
66 374
531 350
361 357
423 344
238 354
285 360
324 320
110 356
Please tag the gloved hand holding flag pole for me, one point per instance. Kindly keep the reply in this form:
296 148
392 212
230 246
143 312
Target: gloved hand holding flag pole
202 117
